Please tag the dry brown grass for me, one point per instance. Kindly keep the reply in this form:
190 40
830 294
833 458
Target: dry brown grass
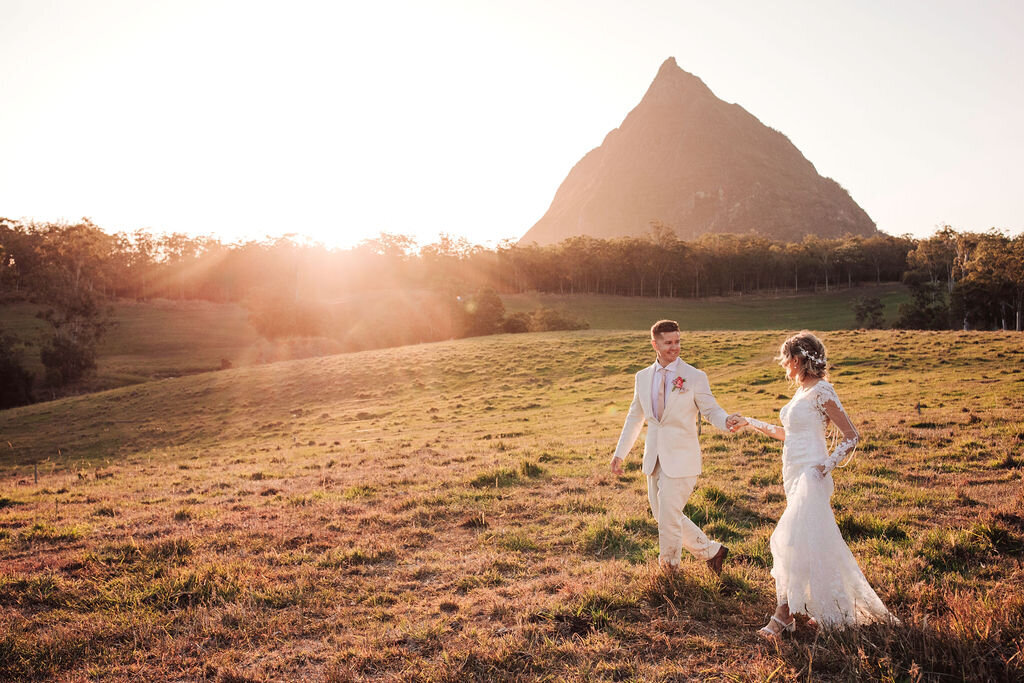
444 512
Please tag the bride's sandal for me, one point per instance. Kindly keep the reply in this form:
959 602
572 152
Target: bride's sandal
768 634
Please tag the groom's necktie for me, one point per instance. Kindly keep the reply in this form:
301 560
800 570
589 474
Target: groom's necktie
660 408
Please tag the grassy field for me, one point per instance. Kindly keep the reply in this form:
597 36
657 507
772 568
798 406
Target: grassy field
820 311
151 340
444 513
162 338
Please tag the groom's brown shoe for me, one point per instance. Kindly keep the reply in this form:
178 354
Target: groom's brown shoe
715 563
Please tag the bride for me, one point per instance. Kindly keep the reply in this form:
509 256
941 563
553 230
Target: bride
815 572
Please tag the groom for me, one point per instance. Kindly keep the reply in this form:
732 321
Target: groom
668 395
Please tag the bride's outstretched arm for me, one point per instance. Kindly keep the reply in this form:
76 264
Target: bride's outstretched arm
774 431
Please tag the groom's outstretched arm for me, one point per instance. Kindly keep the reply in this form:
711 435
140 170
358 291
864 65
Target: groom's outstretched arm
708 405
630 429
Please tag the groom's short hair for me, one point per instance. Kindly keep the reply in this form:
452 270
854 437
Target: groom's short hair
663 326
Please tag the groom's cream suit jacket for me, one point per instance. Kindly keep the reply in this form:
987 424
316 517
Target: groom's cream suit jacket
672 440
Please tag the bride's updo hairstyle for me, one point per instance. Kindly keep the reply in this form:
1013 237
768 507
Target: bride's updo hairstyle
809 351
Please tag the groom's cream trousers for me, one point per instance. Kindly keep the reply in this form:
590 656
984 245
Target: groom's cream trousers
668 496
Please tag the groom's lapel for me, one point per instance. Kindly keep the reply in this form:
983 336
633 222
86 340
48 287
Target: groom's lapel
643 386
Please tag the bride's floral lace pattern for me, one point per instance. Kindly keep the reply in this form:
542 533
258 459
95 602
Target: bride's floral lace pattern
814 570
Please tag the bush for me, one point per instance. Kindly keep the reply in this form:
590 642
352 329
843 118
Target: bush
483 313
550 320
868 311
15 380
517 323
67 360
928 308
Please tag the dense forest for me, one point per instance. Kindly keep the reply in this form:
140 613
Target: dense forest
388 290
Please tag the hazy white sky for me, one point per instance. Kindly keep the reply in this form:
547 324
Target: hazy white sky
339 120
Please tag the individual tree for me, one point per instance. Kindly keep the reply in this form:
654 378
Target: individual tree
993 276
868 311
15 381
662 253
483 313
928 308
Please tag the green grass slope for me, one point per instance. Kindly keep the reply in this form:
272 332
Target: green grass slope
149 340
162 338
444 512
819 311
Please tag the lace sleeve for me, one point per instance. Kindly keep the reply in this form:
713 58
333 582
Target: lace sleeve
827 402
771 430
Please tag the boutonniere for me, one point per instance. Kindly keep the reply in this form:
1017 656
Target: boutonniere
678 384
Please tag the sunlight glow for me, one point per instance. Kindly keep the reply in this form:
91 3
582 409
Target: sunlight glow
341 120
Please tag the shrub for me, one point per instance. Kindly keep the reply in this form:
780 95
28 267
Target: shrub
868 311
15 380
517 323
67 360
483 313
928 308
551 320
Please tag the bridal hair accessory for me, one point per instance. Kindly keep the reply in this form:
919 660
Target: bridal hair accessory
813 357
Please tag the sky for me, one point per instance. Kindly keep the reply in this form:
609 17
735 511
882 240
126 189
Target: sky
337 121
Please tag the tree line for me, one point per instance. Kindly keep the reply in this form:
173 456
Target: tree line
142 265
388 290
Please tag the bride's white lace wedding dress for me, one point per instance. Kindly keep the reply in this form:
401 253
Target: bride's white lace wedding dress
814 570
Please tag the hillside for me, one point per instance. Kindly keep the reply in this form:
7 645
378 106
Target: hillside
699 165
444 512
819 311
163 338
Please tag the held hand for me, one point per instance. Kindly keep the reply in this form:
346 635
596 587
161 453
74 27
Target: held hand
820 469
735 422
617 466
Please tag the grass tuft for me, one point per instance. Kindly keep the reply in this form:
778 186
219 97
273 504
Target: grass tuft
607 538
497 478
530 470
41 532
359 491
582 506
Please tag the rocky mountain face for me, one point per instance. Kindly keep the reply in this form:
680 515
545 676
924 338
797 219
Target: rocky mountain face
699 165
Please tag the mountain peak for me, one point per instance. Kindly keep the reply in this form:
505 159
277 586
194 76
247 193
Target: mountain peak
672 82
687 159
668 66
